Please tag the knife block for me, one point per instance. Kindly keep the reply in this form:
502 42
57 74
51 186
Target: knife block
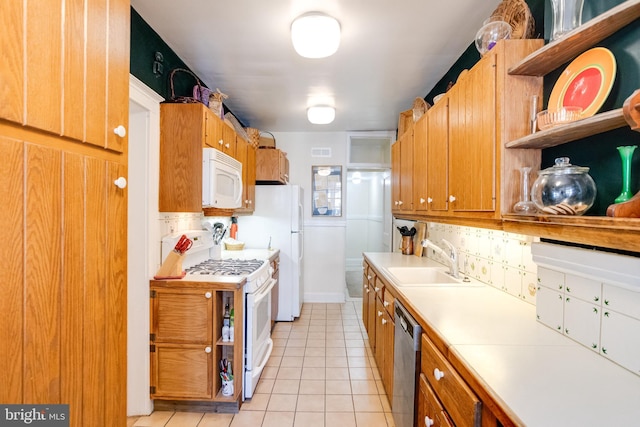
171 268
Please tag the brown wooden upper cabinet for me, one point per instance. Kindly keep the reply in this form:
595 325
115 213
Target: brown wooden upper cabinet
272 166
246 154
460 165
402 165
185 129
58 94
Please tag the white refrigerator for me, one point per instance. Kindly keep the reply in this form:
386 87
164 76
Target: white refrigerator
278 219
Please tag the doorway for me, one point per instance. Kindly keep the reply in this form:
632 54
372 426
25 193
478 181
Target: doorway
368 202
143 237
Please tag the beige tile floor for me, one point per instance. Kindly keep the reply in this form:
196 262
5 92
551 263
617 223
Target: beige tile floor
321 374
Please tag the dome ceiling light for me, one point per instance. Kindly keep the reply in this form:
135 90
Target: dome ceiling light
315 35
321 114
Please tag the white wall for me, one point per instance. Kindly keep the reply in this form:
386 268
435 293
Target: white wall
324 246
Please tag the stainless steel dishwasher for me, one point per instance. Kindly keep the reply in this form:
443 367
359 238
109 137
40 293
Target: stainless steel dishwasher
406 361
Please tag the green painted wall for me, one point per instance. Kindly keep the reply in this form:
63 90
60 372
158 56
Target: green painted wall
597 152
145 42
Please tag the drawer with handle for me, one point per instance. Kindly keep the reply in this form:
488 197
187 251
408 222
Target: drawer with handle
459 401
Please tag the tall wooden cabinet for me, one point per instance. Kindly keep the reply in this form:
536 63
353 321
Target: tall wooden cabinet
64 280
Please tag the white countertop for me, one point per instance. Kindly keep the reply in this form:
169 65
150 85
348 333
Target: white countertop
543 377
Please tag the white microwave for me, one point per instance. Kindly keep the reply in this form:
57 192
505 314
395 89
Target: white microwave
221 180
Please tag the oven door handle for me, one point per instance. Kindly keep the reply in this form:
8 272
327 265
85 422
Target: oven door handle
264 292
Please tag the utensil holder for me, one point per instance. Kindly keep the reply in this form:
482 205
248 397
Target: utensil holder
171 268
407 245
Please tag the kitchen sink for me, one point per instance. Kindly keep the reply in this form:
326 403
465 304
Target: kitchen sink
423 276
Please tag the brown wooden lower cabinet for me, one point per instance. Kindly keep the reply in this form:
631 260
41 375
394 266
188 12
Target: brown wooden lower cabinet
458 401
186 344
430 410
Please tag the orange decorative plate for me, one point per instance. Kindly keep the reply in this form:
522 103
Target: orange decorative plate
586 82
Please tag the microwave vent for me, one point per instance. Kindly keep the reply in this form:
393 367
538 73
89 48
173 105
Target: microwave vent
226 159
321 152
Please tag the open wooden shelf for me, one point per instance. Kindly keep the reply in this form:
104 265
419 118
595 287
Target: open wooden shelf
556 53
573 131
600 231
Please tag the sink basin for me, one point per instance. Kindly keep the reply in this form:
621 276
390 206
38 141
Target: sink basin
421 276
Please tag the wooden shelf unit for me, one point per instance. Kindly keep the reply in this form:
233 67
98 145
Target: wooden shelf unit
573 131
556 53
602 231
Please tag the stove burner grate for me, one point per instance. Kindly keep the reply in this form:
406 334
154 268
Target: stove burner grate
226 267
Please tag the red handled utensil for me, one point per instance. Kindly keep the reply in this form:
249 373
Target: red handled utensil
183 245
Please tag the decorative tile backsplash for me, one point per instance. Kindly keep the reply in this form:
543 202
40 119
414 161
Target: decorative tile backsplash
592 298
497 258
173 222
589 296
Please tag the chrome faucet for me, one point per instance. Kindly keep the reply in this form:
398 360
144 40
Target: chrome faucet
451 257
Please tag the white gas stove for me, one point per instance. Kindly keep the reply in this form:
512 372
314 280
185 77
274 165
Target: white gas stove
200 266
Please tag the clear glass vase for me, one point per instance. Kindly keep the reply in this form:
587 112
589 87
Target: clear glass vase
525 205
626 154
567 15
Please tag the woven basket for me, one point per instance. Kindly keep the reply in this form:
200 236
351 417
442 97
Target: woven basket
254 137
420 106
518 15
184 99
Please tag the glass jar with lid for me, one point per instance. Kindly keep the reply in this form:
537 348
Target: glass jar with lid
564 189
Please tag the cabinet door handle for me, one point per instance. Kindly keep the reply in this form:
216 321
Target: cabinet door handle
369 277
227 145
422 200
220 142
121 182
452 198
386 303
207 295
395 202
120 131
428 422
384 321
379 313
399 202
377 289
207 350
429 200
438 374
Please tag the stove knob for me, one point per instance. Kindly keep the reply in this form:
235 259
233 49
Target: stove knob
207 295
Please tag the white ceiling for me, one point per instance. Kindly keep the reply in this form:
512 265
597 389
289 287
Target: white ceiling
391 52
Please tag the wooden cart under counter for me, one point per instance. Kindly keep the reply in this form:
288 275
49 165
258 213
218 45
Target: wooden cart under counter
186 345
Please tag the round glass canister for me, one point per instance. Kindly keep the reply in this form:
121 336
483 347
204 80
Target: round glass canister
564 189
567 15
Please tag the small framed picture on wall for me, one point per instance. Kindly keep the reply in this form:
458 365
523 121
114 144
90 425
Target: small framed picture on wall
326 183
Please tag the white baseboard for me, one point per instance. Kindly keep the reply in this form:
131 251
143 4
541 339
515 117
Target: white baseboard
324 297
